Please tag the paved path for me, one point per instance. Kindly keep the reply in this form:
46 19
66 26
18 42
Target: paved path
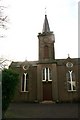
39 110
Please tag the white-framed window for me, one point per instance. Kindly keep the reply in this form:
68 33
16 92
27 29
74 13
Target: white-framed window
24 82
46 74
71 83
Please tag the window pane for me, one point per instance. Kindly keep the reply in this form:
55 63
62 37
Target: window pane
26 81
46 73
69 86
23 83
43 74
73 76
50 74
26 85
74 85
67 76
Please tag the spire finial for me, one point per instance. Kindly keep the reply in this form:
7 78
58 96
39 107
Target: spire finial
45 11
68 55
46 28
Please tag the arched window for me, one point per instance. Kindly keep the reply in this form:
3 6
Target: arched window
46 74
71 83
24 82
46 52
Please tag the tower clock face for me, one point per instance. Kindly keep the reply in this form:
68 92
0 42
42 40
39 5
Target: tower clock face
47 40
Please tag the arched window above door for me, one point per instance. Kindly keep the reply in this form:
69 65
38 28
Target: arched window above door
46 74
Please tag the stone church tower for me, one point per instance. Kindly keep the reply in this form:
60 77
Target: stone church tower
47 65
46 43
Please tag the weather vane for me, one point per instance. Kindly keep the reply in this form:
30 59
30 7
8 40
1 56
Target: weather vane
45 11
68 55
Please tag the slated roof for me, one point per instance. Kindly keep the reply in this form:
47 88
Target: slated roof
18 64
15 64
74 60
34 63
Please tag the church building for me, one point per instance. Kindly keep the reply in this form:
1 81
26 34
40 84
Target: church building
47 79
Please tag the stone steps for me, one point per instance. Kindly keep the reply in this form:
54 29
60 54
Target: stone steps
45 102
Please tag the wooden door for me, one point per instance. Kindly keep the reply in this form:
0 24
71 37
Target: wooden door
47 90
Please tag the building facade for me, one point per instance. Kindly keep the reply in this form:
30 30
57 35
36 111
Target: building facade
47 79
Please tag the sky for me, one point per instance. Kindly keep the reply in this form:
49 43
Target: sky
26 18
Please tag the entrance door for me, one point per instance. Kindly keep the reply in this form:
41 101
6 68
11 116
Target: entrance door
47 90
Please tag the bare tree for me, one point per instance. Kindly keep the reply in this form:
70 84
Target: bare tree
4 63
3 19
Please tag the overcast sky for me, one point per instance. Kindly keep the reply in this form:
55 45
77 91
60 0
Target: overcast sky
26 21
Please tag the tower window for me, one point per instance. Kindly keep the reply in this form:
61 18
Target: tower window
46 52
71 83
24 82
46 74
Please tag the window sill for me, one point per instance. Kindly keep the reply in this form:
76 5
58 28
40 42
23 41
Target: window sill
46 80
50 80
24 91
43 80
72 90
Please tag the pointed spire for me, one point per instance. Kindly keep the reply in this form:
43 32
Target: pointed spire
46 25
